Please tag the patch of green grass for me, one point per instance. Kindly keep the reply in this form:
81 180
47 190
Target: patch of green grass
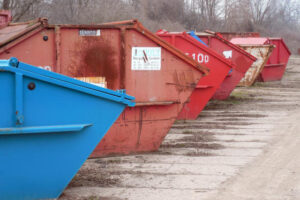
236 97
259 84
240 95
93 198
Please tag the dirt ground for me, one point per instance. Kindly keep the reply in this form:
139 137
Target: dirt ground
243 148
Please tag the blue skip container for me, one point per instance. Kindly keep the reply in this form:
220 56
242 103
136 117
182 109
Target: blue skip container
49 125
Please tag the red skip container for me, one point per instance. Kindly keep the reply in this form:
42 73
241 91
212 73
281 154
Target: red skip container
206 88
238 56
121 55
277 62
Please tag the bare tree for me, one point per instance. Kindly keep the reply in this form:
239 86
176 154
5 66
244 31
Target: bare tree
203 14
270 17
22 10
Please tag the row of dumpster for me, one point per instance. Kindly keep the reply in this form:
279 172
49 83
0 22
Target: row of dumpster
64 89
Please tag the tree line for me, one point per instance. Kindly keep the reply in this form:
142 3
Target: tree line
280 18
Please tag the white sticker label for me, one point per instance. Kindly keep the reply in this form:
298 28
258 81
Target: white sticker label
89 32
46 68
99 84
146 58
227 54
96 80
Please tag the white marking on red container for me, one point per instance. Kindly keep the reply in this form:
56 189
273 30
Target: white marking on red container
89 32
146 58
227 54
46 68
201 58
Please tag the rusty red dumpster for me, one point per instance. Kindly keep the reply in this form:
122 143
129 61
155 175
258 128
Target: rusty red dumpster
121 55
219 68
242 60
276 64
262 53
5 17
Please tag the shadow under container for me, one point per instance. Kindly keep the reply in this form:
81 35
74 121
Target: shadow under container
238 56
219 68
275 67
122 55
49 126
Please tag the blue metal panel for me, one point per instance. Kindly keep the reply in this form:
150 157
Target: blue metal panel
49 125
19 98
43 129
192 33
66 81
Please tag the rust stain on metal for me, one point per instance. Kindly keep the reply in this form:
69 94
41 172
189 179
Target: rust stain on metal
183 81
96 60
122 58
57 48
178 82
262 53
140 127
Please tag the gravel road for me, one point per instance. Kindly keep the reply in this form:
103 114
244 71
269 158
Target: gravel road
246 147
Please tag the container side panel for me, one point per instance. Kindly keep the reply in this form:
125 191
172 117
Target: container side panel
143 128
196 103
146 127
173 82
107 53
242 61
208 84
91 56
274 58
276 65
35 50
39 166
273 73
7 106
262 54
284 55
226 87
